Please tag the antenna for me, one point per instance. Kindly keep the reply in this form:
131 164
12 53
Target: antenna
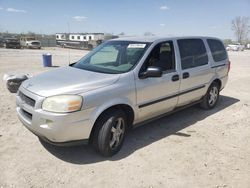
68 39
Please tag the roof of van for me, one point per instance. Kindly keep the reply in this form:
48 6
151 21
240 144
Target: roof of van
159 38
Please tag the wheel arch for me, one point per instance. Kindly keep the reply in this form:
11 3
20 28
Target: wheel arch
218 81
126 108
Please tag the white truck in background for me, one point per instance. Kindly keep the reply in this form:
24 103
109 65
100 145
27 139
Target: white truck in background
30 42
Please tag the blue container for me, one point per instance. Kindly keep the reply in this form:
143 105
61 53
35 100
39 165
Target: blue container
47 60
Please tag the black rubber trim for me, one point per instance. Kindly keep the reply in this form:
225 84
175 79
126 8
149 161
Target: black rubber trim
158 100
218 66
68 143
168 113
192 89
169 97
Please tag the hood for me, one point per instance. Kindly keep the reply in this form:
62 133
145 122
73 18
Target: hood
68 80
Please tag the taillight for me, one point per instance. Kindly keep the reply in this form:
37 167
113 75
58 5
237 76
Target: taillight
228 66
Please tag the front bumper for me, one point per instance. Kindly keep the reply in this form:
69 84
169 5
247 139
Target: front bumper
55 128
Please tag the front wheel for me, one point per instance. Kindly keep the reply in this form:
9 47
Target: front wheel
211 98
110 131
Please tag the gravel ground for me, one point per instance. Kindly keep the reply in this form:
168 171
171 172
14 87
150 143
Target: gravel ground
191 148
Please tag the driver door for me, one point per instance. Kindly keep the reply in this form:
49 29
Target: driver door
158 95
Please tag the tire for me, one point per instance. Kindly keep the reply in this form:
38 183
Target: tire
212 96
109 133
13 86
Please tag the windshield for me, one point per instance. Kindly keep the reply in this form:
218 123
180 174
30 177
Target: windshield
113 57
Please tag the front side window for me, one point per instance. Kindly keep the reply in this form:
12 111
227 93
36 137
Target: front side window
193 53
217 49
161 56
78 37
113 57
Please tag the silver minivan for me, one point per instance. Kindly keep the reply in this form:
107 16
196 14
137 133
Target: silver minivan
122 83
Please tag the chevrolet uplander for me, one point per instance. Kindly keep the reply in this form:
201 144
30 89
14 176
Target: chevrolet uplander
122 83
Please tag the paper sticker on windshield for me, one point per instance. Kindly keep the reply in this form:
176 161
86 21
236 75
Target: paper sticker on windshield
136 45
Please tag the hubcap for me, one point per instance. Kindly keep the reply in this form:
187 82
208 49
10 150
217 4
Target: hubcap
213 95
117 133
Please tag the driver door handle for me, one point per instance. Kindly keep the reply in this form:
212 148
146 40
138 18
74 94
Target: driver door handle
175 78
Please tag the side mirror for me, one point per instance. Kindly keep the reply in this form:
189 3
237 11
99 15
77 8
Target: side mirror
151 72
72 64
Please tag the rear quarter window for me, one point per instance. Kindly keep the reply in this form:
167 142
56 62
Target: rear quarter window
193 53
217 49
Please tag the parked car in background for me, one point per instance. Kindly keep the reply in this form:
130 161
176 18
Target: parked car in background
122 83
2 42
30 42
248 46
12 43
235 47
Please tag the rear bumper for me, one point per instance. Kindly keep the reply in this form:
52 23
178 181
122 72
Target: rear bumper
223 82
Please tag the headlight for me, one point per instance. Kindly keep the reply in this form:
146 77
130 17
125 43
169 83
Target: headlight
62 103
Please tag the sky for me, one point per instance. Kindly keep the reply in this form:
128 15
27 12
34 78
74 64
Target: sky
160 17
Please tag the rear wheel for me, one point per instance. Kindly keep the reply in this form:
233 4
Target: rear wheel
110 131
211 98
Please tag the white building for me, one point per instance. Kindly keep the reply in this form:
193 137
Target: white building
60 36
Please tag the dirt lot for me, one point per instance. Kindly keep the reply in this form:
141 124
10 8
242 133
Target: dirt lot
192 148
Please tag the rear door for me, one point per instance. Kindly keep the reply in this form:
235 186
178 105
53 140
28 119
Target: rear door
195 70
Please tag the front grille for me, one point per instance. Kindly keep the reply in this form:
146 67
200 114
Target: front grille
29 101
35 43
26 114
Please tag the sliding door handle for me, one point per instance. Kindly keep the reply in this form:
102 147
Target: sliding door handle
185 75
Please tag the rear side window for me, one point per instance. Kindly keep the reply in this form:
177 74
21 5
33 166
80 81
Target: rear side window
193 53
217 49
